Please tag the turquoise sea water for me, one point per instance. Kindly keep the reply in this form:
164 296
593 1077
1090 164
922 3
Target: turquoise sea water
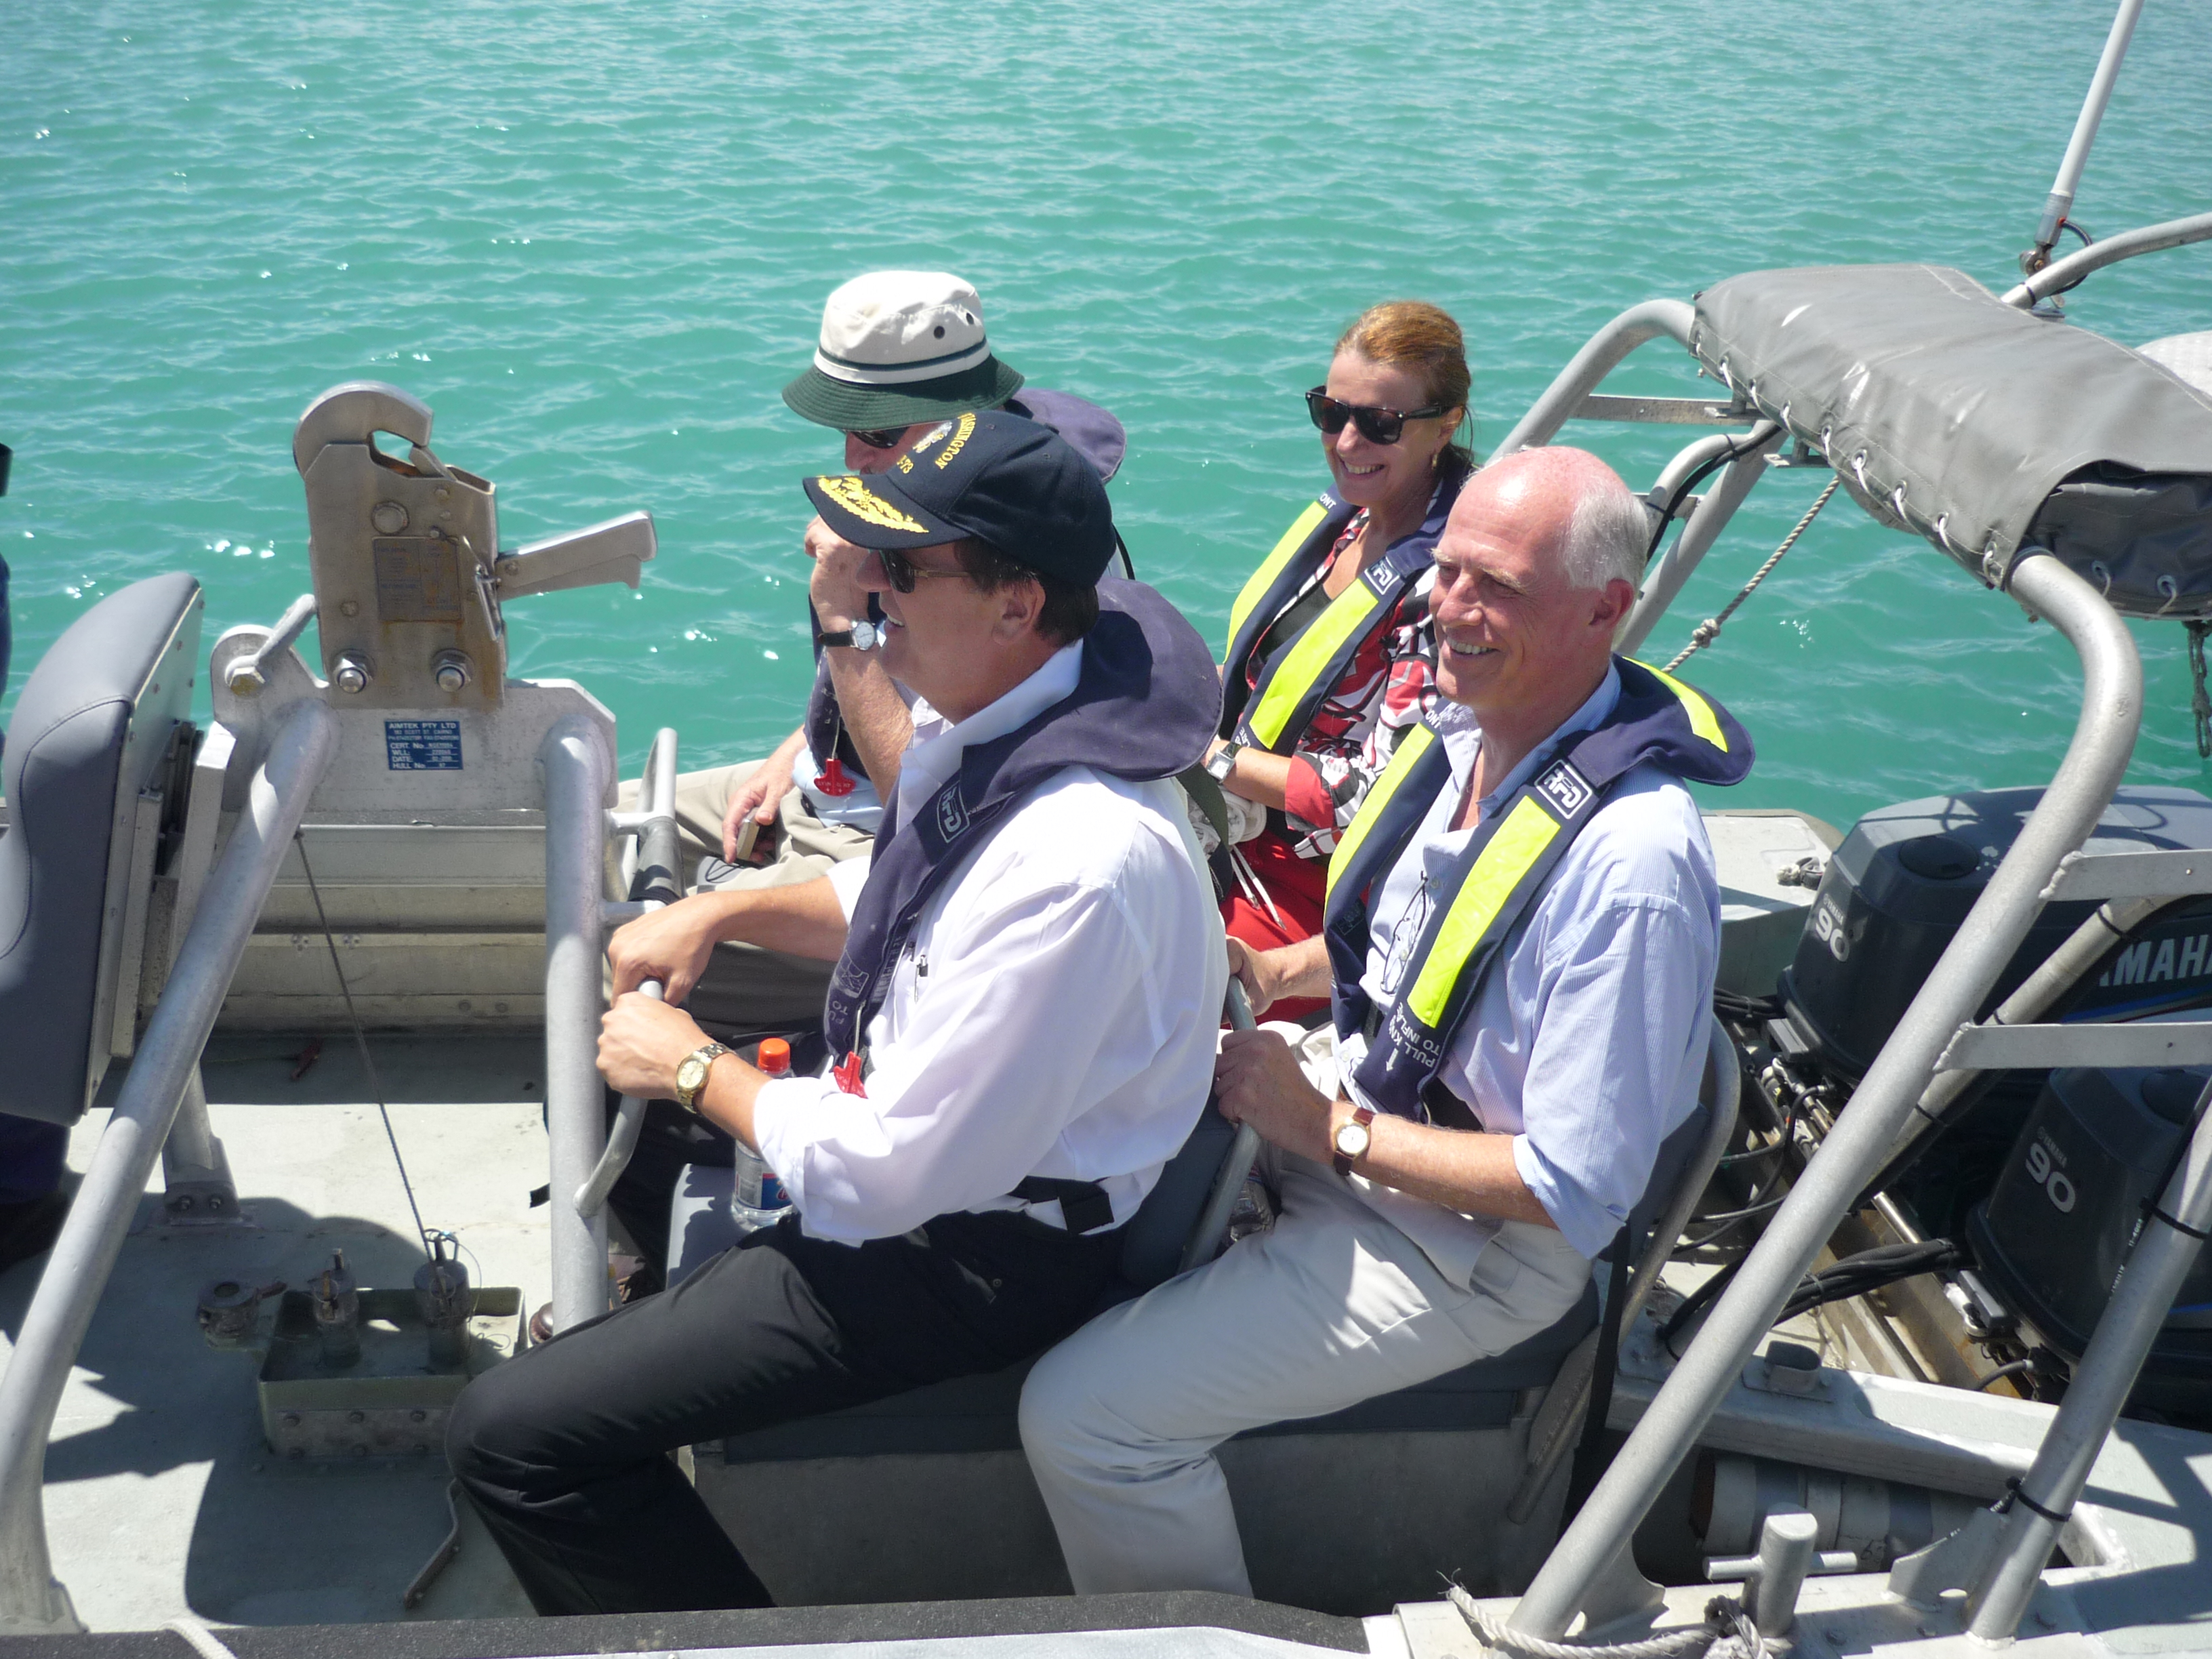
596 240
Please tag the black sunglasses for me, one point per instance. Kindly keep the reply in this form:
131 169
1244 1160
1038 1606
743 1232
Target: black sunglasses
1377 426
887 439
904 572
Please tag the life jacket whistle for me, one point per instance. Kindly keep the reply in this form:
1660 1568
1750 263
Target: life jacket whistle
1491 886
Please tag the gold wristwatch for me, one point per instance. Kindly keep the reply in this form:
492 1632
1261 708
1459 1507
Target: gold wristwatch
692 1074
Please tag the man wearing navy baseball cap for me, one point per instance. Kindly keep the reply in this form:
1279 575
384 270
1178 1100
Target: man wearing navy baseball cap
1029 971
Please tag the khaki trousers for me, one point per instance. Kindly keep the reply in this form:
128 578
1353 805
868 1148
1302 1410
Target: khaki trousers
1333 1306
745 989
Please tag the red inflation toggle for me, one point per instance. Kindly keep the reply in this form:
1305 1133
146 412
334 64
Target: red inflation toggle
835 780
847 1071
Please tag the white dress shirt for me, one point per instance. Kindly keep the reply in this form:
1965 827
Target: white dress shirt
1587 1041
1054 1013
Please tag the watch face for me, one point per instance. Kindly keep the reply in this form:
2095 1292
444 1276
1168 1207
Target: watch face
691 1074
866 637
1352 1139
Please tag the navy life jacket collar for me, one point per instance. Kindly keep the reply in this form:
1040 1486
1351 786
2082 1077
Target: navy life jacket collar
1297 678
1491 886
1144 707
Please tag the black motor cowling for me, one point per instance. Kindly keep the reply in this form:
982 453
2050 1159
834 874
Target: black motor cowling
2097 1150
1902 882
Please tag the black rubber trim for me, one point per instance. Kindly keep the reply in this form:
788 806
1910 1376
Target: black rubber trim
2014 1495
634 1632
2181 1227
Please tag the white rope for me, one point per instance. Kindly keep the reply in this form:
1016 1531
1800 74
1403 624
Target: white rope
1726 1634
1710 629
205 1641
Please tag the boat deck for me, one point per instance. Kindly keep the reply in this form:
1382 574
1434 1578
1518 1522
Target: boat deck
162 1497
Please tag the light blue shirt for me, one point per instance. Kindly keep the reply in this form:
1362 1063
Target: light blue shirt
1587 1040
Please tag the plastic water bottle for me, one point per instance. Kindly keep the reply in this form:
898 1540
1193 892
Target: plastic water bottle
757 1199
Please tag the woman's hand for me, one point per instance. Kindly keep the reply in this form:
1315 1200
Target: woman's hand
672 945
1257 1080
641 1042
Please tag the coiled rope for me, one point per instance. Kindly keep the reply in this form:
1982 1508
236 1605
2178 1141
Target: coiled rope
1710 629
1726 1633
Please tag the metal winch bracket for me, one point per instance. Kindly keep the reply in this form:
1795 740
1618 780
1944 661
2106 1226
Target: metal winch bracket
408 573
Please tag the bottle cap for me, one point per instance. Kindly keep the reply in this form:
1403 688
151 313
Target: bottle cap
774 1056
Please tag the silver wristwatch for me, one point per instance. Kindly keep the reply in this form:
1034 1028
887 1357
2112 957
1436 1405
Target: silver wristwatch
1222 761
861 636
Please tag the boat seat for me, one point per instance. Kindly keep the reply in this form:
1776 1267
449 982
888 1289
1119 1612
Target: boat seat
91 730
978 1413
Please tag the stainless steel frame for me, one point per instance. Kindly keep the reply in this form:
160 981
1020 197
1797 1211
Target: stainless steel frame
2103 738
2060 202
1592 363
2164 1252
1673 568
2148 239
32 1601
578 769
657 844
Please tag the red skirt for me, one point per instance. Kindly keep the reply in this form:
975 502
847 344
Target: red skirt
1298 887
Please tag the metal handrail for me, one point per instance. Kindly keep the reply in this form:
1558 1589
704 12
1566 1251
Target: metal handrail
1236 1164
2104 738
30 1600
659 850
578 770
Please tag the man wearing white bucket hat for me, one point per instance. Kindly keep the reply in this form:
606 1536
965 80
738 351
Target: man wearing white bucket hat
899 353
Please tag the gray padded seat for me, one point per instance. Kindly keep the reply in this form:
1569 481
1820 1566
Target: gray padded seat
977 1413
62 769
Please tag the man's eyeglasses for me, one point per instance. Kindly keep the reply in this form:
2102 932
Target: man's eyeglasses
904 572
1377 426
888 439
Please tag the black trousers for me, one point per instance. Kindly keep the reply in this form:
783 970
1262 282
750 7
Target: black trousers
564 1448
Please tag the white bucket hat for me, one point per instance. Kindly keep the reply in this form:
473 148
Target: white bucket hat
898 346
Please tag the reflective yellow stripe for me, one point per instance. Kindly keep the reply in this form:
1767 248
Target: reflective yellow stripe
1519 842
1270 568
1306 661
1414 745
1702 719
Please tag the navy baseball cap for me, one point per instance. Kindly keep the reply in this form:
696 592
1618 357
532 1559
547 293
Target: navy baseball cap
1016 484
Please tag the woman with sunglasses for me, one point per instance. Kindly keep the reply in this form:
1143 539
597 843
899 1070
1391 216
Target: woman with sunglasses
1331 655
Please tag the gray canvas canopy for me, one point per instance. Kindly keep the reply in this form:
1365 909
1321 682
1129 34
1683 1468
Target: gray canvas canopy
1951 414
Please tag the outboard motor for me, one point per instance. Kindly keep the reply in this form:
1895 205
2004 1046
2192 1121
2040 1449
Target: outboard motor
1895 894
2096 1151
1904 879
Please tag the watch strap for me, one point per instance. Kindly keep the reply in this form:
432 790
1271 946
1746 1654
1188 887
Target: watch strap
1365 1117
707 1054
849 636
